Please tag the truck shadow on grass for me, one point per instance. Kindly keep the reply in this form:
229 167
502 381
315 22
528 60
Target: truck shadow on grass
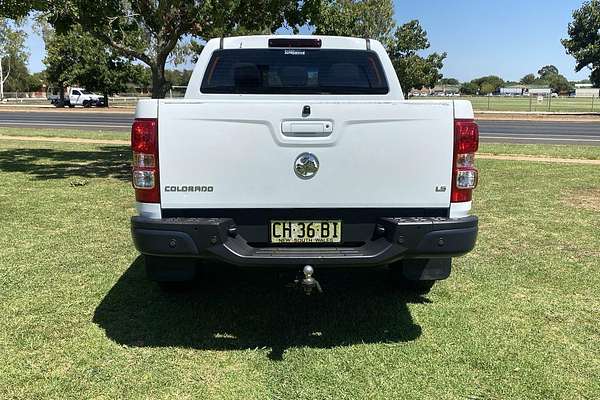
230 309
50 163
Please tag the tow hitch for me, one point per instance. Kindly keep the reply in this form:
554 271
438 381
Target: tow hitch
309 283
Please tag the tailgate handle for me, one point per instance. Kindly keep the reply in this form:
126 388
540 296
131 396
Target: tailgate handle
312 128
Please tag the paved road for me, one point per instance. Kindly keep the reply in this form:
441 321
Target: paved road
491 131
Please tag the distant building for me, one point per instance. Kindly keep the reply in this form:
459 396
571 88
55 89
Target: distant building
517 90
539 91
586 90
439 90
445 89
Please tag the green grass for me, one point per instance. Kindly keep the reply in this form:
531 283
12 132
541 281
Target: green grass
66 133
518 319
547 150
501 103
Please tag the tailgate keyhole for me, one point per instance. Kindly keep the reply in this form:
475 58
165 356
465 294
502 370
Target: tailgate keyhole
306 111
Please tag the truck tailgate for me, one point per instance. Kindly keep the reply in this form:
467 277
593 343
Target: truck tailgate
241 154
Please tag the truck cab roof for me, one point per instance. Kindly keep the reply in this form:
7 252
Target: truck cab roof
327 42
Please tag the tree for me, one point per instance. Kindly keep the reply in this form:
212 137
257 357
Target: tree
413 70
528 79
469 89
559 84
488 84
17 9
487 88
375 19
19 78
79 58
150 31
449 81
12 41
547 71
142 77
584 39
37 80
372 19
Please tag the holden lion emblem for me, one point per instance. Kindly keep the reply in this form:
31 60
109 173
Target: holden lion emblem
306 165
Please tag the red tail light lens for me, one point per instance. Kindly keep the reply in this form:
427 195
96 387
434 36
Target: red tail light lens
466 136
144 144
464 173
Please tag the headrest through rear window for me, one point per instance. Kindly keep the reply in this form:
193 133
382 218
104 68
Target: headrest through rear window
246 75
343 74
293 76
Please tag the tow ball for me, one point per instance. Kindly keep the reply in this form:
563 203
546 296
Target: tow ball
309 283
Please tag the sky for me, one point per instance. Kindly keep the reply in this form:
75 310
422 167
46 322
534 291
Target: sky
508 38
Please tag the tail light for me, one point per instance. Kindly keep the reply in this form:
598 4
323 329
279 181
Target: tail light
464 173
144 144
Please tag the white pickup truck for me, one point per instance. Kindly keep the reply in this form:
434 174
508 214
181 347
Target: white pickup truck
77 97
301 151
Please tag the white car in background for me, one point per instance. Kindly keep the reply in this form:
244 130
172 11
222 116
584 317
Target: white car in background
76 96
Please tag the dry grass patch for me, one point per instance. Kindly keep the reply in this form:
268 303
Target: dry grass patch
587 199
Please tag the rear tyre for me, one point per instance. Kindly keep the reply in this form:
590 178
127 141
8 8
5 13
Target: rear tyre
87 104
170 273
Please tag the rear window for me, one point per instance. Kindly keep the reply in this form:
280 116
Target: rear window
294 71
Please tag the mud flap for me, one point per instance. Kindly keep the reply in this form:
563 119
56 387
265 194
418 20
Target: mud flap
426 269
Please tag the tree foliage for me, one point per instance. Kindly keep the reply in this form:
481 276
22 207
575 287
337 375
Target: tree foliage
375 19
584 39
546 71
550 76
528 79
15 9
449 81
488 84
469 89
12 51
77 58
413 70
372 19
558 83
151 31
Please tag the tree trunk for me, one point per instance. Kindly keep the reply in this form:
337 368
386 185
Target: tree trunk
159 82
105 99
61 96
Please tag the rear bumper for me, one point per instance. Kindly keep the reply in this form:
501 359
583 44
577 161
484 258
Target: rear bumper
389 240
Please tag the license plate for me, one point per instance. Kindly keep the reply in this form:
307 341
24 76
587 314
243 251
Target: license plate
329 231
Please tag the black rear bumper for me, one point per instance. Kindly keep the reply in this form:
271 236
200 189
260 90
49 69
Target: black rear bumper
386 241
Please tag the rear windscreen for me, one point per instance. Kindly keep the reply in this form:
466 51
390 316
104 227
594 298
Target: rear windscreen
294 71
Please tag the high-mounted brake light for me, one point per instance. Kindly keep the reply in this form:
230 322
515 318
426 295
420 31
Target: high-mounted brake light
464 173
295 43
144 144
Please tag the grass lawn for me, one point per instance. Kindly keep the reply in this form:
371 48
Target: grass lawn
545 150
66 133
519 317
501 103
